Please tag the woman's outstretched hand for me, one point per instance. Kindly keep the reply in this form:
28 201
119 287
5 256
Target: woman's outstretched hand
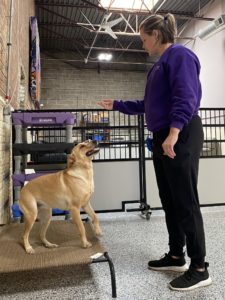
106 104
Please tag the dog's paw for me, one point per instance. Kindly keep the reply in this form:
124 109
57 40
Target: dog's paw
98 232
87 244
50 245
30 250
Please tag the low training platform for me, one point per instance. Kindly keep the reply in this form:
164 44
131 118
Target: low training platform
69 253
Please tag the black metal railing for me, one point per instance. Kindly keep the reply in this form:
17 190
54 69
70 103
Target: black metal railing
119 135
213 120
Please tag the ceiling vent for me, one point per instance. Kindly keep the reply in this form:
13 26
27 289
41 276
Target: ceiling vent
214 27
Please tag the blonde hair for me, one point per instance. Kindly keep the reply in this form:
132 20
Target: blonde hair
166 25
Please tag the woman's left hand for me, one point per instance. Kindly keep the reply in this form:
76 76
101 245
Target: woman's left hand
170 141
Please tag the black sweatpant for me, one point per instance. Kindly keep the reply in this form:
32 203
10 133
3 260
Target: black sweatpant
177 183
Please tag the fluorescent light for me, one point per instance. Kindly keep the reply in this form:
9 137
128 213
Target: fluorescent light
128 4
105 56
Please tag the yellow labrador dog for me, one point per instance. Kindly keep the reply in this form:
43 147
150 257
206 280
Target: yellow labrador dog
69 189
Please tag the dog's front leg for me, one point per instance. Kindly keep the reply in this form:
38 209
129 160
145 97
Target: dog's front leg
89 210
45 214
75 213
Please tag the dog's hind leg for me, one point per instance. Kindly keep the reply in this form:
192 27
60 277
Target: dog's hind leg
89 210
75 213
45 214
29 209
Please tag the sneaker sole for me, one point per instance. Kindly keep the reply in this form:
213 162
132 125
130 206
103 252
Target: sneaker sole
198 285
170 268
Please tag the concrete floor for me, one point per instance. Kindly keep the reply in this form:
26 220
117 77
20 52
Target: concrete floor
131 241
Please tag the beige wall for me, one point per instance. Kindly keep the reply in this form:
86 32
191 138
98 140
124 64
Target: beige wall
18 85
211 53
211 186
65 86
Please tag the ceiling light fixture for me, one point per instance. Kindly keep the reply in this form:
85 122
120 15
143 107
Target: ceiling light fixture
105 56
135 4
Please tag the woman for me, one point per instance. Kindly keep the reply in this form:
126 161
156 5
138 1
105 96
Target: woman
171 103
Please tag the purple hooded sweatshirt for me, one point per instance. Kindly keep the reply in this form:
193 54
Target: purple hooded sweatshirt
173 91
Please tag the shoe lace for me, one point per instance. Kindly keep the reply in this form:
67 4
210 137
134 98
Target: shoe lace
188 275
164 256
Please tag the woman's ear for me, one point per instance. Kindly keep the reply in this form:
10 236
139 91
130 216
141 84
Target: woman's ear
155 33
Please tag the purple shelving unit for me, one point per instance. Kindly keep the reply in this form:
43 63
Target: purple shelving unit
21 120
43 118
27 122
19 179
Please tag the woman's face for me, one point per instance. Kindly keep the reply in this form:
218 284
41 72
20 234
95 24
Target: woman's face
150 42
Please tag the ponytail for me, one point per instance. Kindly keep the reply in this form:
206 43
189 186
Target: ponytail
166 25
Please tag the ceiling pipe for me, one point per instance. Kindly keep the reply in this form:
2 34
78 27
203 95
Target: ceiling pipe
120 33
127 11
88 5
136 34
116 49
160 12
158 8
94 5
97 61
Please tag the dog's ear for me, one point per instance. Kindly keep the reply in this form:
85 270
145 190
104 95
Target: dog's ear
71 160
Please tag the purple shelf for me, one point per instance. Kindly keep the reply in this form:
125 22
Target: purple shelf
19 179
43 118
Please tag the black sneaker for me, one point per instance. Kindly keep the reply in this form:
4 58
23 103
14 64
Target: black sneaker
167 263
191 280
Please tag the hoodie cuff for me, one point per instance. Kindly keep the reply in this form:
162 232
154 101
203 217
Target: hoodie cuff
177 124
115 105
